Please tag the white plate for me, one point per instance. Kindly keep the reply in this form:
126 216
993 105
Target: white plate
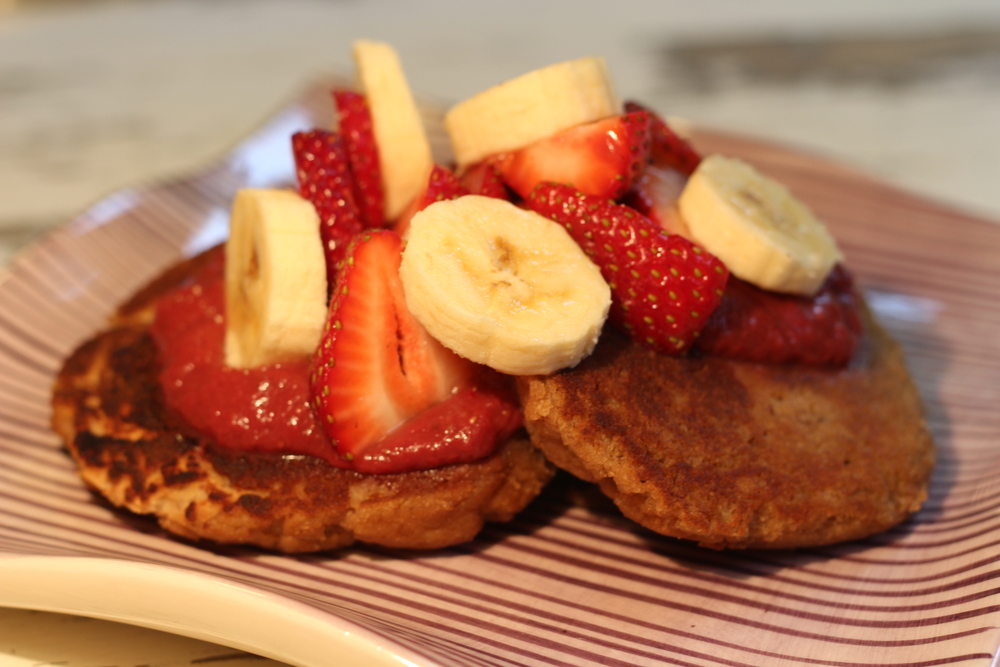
561 584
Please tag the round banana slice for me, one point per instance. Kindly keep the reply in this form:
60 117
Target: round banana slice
531 107
759 230
275 279
503 286
404 150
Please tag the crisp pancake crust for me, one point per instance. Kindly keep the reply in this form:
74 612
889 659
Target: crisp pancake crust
109 410
739 455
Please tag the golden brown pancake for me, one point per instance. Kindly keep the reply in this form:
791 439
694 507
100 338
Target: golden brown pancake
740 455
109 410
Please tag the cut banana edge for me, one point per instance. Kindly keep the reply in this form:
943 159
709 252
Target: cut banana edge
756 227
404 151
531 107
503 286
275 279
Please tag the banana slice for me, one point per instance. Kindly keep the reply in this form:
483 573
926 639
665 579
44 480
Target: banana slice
403 148
759 230
275 279
503 286
531 107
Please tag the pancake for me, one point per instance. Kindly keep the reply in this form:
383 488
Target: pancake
109 411
740 455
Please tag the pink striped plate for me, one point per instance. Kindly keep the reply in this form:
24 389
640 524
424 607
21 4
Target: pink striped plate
560 585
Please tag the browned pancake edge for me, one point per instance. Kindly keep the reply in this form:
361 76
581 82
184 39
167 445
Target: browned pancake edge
740 455
109 411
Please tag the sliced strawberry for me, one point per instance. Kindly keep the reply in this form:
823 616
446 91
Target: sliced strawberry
663 287
465 427
355 127
755 325
483 178
442 184
325 180
655 195
602 158
668 148
377 368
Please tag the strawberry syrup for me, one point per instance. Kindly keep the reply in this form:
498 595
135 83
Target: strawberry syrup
268 410
260 409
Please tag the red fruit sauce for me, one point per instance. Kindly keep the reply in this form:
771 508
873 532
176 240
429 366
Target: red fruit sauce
260 409
755 325
268 409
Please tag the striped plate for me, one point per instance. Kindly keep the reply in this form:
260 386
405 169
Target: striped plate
560 585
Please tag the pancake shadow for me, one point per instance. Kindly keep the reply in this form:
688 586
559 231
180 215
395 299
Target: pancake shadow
569 504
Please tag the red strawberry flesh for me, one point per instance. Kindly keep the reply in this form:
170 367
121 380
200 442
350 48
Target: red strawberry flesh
483 178
325 180
655 195
377 370
664 288
667 147
465 427
756 325
442 184
355 126
602 158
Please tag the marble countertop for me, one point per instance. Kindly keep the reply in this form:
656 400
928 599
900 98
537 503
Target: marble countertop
99 95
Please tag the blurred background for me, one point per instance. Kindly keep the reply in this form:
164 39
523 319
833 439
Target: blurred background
96 95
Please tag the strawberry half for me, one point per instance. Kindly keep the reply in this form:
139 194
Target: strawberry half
756 325
376 367
655 195
602 158
325 179
663 287
667 147
484 178
442 184
355 127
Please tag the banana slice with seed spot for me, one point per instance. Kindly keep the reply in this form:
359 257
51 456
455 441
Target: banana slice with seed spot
503 286
759 230
531 107
275 279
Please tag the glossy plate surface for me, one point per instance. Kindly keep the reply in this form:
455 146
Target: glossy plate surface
561 584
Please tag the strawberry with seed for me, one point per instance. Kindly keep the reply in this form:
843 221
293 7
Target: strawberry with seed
325 180
442 184
355 127
667 147
390 397
663 287
602 158
484 178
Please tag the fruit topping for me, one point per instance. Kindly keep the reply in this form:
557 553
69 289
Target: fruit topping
376 366
261 409
441 186
354 124
275 279
503 286
668 148
403 148
533 106
655 195
324 177
602 158
664 287
757 227
464 427
483 178
756 325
